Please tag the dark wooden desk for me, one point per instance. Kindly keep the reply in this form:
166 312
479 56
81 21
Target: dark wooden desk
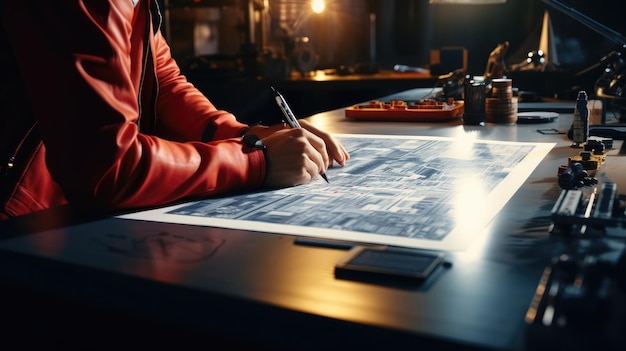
264 292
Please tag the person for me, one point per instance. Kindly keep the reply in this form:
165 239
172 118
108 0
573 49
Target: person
95 112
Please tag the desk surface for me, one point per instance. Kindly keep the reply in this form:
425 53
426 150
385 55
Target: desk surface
265 289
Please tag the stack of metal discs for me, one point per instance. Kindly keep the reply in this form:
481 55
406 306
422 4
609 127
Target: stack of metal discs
501 107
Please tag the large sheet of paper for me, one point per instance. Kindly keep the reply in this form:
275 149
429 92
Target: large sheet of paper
410 191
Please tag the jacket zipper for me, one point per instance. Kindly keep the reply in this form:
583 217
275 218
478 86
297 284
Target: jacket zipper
153 17
10 163
143 66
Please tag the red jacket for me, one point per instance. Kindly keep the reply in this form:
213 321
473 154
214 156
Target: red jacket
115 124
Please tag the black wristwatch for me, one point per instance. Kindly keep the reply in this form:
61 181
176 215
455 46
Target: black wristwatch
253 142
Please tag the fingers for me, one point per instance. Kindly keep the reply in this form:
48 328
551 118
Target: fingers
325 144
320 147
297 155
334 149
292 158
338 152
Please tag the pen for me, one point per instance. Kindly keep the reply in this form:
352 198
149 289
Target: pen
290 118
331 244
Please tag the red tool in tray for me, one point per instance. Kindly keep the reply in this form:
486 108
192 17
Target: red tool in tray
428 110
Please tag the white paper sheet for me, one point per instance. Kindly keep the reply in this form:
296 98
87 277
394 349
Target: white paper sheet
410 191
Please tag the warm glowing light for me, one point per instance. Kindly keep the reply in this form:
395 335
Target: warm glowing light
318 6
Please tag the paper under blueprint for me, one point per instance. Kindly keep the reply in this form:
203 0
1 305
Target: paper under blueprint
410 191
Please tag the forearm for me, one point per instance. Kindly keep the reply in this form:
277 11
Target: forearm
184 113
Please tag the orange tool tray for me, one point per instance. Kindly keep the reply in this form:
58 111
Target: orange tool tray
399 110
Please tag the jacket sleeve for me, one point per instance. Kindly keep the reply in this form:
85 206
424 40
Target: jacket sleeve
80 69
184 113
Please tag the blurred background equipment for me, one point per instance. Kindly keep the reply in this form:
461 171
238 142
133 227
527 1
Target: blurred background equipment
302 35
611 83
495 63
553 50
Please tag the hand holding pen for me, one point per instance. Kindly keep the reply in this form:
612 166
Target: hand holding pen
290 118
297 155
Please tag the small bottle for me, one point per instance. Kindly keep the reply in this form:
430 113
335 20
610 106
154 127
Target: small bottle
580 124
474 94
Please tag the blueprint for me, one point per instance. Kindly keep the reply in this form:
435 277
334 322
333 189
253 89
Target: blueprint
410 191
